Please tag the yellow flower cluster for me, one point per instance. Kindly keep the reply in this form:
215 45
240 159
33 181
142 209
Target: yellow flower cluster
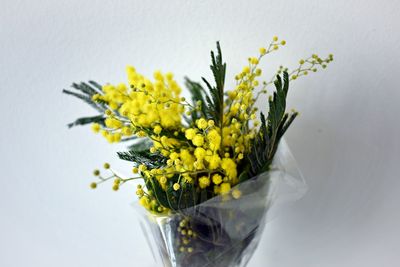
154 110
203 153
207 154
141 105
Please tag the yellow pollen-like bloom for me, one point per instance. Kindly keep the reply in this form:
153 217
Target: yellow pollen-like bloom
169 76
198 140
96 127
190 133
236 194
176 186
142 167
126 131
217 189
145 202
214 162
139 192
113 123
174 156
225 188
200 153
157 129
229 166
254 61
187 158
214 139
204 182
202 124
198 164
163 180
217 179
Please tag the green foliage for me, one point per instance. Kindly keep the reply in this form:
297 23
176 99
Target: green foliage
209 104
187 196
215 102
271 131
277 104
154 186
145 157
87 120
85 92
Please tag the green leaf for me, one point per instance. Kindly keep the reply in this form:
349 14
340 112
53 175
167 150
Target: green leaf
159 193
272 129
88 100
215 99
152 160
85 93
86 120
97 86
86 89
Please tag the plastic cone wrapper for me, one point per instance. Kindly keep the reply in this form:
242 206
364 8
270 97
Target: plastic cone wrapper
225 230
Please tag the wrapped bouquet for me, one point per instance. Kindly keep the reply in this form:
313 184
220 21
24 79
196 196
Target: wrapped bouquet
212 167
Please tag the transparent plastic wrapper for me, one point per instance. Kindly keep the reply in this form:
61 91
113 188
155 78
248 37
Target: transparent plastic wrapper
224 231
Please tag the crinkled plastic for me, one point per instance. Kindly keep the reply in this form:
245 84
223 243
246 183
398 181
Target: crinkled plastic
225 231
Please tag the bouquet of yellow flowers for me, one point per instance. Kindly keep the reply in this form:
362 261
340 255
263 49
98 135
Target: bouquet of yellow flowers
210 168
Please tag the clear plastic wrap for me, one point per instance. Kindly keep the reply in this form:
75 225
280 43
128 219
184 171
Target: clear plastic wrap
224 231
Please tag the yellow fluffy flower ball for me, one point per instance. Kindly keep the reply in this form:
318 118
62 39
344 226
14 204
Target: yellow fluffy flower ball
204 182
214 139
157 129
225 188
213 161
229 166
200 153
190 134
217 179
198 140
202 124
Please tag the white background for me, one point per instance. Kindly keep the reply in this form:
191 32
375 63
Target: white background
346 140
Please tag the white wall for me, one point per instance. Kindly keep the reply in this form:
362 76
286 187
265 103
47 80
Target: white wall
346 141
